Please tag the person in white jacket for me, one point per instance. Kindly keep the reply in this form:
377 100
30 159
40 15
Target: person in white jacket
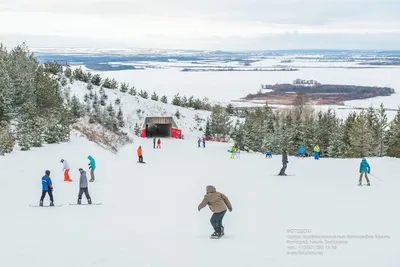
66 171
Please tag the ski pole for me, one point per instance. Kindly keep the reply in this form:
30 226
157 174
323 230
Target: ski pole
375 177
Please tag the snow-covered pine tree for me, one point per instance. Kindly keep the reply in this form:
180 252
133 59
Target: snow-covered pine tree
177 100
164 99
393 137
120 118
107 84
133 91
336 145
207 132
136 129
184 102
361 137
238 135
68 72
230 109
220 122
89 86
96 80
372 118
382 125
114 84
124 87
143 94
154 96
6 139
78 74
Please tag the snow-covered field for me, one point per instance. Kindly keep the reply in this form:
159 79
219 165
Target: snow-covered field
149 214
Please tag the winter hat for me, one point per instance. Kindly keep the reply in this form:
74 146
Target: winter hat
61 160
80 169
47 172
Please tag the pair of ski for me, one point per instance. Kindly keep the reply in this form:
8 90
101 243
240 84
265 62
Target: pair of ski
60 205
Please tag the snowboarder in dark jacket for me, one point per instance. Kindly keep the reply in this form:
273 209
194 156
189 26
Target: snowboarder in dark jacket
284 163
154 142
47 187
83 187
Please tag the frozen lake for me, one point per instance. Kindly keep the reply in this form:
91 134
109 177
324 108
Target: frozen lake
227 86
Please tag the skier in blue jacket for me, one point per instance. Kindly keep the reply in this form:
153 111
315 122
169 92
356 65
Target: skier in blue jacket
92 167
47 187
302 151
364 169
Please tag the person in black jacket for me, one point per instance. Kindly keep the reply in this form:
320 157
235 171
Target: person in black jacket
284 163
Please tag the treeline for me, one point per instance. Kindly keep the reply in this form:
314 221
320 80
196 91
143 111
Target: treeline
367 133
87 77
32 110
352 91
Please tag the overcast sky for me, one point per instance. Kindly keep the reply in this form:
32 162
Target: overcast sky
202 24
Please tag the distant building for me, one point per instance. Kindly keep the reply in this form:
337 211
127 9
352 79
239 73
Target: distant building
305 82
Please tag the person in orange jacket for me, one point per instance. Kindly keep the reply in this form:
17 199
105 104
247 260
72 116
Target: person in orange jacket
140 154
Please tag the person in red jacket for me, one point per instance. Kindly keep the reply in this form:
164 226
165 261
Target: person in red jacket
159 143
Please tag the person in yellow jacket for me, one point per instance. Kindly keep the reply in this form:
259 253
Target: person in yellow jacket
316 152
233 151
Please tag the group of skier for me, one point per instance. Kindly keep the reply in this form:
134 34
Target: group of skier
365 168
201 141
47 185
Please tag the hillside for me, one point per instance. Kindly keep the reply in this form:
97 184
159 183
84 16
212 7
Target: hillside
135 109
149 215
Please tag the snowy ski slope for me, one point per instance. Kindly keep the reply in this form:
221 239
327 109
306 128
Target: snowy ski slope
149 214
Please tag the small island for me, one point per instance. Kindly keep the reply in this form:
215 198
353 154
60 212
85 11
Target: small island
316 93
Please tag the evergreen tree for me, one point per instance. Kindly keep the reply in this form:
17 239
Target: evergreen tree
154 96
114 84
77 110
220 122
361 137
89 86
164 99
230 109
107 84
382 124
124 87
120 118
177 100
53 68
136 129
207 132
394 137
78 74
96 80
143 94
132 91
68 73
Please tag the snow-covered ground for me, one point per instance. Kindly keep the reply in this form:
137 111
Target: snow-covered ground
149 214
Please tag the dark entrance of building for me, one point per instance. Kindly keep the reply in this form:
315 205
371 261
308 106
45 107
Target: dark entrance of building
159 130
160 127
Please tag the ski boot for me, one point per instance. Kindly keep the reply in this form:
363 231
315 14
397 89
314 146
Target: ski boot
89 201
359 184
79 202
51 204
368 184
41 203
215 235
222 231
91 180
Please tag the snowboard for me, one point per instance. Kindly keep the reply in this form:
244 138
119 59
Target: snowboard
216 237
285 175
48 206
85 204
142 162
363 185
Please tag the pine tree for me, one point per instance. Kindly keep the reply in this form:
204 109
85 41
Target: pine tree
77 109
132 91
382 124
220 122
68 73
120 118
207 132
393 139
164 99
176 101
124 87
136 129
230 109
361 137
78 74
6 139
114 84
89 86
143 94
238 135
107 84
154 96
96 80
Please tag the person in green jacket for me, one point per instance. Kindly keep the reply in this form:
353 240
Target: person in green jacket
316 152
233 150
